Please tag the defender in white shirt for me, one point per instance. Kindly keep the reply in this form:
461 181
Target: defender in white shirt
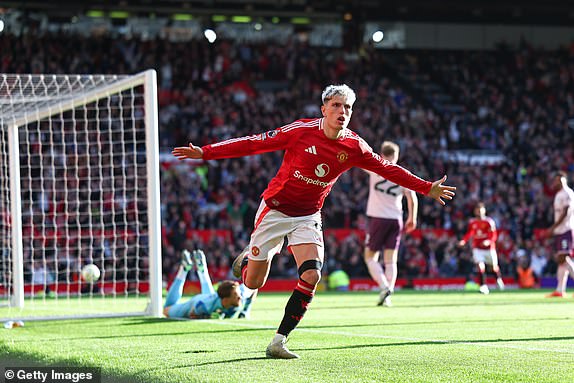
562 231
385 212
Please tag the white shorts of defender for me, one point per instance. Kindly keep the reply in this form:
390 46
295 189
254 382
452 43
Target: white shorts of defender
487 256
272 226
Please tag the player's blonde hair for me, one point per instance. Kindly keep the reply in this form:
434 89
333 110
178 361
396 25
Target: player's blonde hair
338 90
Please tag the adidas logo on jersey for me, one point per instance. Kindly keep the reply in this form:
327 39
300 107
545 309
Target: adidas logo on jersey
311 149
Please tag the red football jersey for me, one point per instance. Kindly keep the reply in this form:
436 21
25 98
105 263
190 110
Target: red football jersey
312 163
483 233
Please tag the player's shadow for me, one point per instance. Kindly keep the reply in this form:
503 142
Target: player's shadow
437 342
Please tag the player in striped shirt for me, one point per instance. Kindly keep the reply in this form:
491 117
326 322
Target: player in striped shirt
317 152
482 230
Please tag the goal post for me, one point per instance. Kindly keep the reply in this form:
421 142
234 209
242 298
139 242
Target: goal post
153 199
79 184
15 219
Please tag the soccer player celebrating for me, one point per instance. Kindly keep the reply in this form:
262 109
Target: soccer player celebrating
385 212
317 152
231 300
562 231
482 229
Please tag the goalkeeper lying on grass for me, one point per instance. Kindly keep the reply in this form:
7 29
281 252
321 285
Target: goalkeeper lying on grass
232 300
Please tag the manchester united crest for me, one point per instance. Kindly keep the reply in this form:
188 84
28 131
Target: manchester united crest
342 156
255 251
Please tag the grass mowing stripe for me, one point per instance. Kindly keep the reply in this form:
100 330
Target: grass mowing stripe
375 336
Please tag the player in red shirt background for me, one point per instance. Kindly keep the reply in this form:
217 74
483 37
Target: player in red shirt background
317 152
482 230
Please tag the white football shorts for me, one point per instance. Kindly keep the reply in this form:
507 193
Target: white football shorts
272 226
487 256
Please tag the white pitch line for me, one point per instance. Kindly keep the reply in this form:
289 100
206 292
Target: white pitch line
375 336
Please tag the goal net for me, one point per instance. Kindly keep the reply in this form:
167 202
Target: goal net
79 185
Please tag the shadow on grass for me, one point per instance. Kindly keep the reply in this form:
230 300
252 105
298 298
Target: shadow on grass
127 321
14 358
439 342
386 324
123 336
144 321
17 359
101 322
217 362
423 305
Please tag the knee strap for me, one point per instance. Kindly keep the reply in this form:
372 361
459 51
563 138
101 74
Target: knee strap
311 264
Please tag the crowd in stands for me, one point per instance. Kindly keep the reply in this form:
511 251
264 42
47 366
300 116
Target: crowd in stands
518 102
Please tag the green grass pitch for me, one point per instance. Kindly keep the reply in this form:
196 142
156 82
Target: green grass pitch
513 336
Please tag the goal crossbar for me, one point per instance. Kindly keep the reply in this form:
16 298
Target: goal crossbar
21 118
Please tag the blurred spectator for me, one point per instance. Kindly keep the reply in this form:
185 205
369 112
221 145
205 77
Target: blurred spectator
524 274
339 280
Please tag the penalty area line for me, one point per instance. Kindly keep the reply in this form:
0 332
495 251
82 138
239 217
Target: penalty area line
410 339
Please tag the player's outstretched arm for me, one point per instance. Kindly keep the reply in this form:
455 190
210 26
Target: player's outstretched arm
192 152
439 191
